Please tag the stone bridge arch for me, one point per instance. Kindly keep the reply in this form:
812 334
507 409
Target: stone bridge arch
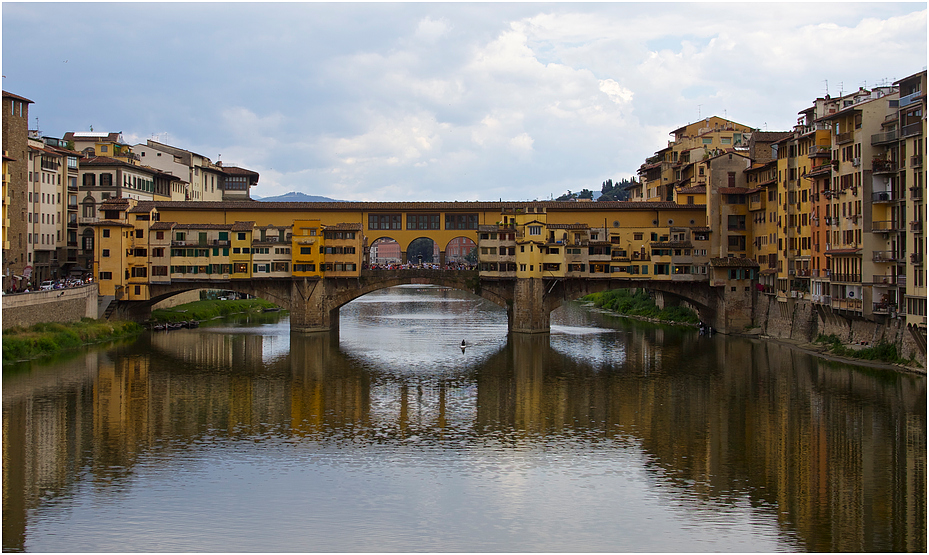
317 303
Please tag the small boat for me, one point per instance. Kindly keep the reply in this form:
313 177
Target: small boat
274 309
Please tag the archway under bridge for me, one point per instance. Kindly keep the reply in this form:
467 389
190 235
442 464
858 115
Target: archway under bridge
385 251
314 303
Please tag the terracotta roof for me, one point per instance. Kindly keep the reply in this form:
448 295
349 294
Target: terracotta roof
17 97
733 262
733 190
243 226
568 226
109 223
234 170
229 227
704 228
106 161
343 227
695 190
159 226
45 149
112 203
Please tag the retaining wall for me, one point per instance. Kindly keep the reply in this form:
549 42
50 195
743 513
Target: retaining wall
63 305
801 320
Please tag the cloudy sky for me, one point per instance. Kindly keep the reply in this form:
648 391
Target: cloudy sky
441 101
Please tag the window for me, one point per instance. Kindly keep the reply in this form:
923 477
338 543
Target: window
160 235
461 221
139 271
304 267
240 268
384 221
422 221
105 253
106 275
159 270
535 230
241 237
106 232
306 250
158 253
90 179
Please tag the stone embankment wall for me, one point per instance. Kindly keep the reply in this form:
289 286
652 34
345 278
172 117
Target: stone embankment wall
63 305
801 320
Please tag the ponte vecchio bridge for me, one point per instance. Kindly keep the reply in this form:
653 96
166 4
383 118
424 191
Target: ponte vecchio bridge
533 256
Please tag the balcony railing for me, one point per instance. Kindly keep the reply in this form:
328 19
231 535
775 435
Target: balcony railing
912 129
842 138
847 278
846 304
879 165
883 308
883 257
883 196
916 193
887 137
916 225
916 258
885 226
819 151
889 279
916 161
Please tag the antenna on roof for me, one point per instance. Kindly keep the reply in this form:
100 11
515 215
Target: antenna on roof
826 81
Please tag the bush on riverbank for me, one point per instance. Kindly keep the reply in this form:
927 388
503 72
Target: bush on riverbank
46 339
209 309
641 305
884 352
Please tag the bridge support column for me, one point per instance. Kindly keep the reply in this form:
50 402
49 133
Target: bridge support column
528 313
309 311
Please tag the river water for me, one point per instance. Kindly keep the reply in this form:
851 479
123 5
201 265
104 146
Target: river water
608 435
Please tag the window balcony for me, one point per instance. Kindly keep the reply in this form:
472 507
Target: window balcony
883 196
883 308
842 138
916 193
916 258
885 226
882 138
889 279
912 129
884 257
916 226
880 165
916 161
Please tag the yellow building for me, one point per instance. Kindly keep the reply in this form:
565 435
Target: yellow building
306 248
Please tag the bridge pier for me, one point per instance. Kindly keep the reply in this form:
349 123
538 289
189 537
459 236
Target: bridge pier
309 310
528 312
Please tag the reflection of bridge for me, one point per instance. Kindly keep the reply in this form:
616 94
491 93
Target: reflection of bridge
314 303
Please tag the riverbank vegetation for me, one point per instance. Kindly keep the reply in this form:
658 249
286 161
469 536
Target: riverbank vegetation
210 309
883 352
47 339
639 304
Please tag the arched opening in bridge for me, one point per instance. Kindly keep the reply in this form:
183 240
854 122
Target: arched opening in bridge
422 251
461 252
384 251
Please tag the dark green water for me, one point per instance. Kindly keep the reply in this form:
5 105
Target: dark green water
609 435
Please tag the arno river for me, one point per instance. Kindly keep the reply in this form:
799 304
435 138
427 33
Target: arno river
609 435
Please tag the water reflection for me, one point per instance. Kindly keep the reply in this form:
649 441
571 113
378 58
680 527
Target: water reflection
577 441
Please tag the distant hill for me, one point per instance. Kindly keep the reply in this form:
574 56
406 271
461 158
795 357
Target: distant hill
294 196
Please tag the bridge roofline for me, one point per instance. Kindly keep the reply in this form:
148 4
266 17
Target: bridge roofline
410 206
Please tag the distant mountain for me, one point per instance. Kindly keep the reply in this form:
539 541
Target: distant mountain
294 196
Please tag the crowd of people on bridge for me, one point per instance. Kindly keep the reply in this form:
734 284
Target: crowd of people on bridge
48 285
420 266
